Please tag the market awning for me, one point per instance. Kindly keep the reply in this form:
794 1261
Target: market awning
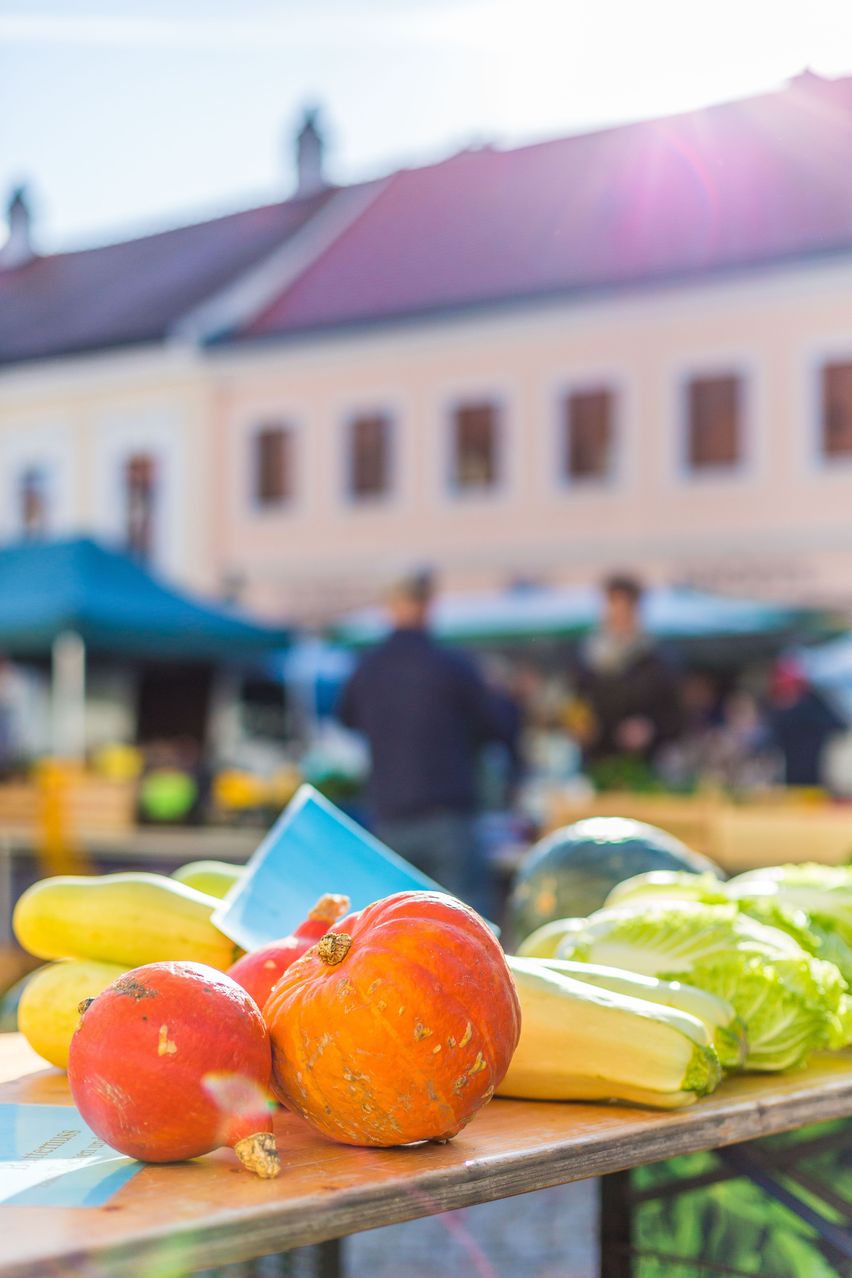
571 611
115 606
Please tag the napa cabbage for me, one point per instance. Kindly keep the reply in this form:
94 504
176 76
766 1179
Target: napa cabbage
792 1003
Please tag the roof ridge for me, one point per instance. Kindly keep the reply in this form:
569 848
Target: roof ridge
294 202
487 148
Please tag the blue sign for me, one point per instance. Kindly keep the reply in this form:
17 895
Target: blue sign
50 1158
312 849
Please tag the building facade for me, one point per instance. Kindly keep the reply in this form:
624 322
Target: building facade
699 435
631 349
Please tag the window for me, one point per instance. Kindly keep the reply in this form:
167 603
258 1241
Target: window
140 485
714 408
837 410
588 435
273 466
32 502
369 457
474 459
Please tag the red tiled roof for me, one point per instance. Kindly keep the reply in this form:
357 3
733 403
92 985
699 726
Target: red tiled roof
133 292
744 183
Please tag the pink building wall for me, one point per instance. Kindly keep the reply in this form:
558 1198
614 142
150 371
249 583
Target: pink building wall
781 526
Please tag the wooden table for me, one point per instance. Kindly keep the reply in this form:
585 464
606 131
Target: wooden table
189 1216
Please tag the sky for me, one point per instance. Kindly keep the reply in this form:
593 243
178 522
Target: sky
129 115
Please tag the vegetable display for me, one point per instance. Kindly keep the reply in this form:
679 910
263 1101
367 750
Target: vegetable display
214 878
791 1003
571 871
130 919
813 903
48 1011
171 1061
398 1026
397 1023
725 1027
579 1042
258 971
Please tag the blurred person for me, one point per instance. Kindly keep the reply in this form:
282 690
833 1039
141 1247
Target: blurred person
425 712
7 716
690 759
801 724
628 697
740 755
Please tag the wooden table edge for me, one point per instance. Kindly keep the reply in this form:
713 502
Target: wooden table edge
266 1228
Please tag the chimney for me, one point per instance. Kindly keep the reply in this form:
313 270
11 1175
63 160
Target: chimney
18 249
310 146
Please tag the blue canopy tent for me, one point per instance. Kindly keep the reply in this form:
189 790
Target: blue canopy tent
569 612
65 598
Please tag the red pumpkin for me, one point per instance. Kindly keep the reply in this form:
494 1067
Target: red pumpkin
259 970
397 1026
171 1061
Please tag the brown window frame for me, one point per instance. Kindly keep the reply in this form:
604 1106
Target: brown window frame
706 458
369 479
33 499
463 417
141 474
827 453
278 495
570 447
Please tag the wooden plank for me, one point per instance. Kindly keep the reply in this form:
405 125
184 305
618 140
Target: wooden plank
150 843
190 1216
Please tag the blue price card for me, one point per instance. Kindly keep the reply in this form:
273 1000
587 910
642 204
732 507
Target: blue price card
312 849
50 1158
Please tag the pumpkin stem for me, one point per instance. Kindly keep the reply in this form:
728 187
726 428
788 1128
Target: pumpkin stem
334 947
83 1008
259 1154
329 908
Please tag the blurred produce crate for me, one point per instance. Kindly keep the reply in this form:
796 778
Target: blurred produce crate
774 828
19 803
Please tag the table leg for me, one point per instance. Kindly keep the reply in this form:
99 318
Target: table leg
330 1259
615 1230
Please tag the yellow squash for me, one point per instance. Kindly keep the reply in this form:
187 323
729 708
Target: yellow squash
48 1010
579 1042
128 919
216 878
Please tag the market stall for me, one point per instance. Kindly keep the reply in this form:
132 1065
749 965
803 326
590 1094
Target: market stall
542 614
736 834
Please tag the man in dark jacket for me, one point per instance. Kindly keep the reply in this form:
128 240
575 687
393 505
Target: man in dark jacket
425 712
625 684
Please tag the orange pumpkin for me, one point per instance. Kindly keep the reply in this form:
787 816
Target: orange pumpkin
397 1026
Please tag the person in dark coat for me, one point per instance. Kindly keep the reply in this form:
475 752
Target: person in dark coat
625 684
801 724
425 712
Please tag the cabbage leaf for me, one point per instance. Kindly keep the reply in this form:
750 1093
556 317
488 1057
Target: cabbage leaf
792 1003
